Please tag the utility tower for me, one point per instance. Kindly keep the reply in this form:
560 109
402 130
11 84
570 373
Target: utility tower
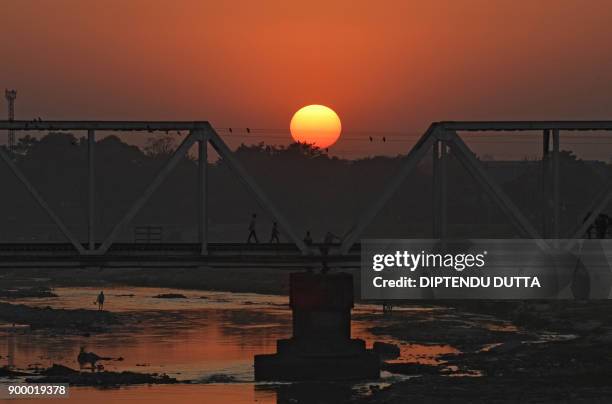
10 97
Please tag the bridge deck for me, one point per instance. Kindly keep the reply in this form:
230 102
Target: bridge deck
284 255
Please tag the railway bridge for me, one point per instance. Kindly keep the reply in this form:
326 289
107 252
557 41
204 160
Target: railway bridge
440 139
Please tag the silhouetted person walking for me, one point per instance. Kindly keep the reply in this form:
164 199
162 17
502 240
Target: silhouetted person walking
330 238
252 232
327 242
100 301
601 225
275 233
308 238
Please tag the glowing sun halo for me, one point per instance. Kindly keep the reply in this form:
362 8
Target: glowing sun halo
316 124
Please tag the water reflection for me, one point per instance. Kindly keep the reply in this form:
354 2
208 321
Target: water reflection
192 338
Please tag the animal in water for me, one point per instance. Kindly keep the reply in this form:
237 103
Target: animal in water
90 358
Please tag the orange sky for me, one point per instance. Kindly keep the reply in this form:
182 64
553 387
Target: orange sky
383 66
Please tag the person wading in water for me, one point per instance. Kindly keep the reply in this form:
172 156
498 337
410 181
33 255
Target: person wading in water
100 301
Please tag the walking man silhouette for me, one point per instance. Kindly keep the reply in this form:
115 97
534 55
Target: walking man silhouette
601 225
252 233
327 242
308 238
275 233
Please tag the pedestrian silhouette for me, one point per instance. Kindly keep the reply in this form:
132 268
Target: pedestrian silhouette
275 233
330 238
308 238
252 232
601 225
327 242
100 301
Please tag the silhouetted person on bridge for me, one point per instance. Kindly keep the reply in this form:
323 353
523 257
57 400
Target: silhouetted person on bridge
252 233
327 242
100 301
601 225
275 234
308 238
330 238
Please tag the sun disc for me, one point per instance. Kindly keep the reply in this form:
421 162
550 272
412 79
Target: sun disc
316 124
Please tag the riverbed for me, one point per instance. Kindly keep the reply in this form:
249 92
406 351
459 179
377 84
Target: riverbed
205 337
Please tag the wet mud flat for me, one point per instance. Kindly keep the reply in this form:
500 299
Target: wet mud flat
545 352
23 292
67 320
261 280
63 374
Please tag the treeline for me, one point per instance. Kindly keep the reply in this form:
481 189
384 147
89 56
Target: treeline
314 191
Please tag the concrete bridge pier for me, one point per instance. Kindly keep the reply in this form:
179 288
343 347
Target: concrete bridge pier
321 347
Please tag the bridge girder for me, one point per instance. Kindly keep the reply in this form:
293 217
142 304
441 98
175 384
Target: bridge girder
201 132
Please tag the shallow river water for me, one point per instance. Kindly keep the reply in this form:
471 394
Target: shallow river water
204 334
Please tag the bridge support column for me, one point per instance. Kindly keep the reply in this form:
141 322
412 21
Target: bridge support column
321 347
435 187
91 195
440 216
555 184
545 178
203 191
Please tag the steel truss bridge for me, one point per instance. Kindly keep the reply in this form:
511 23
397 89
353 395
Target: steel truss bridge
440 139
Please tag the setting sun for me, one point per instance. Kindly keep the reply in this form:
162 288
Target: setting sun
316 124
